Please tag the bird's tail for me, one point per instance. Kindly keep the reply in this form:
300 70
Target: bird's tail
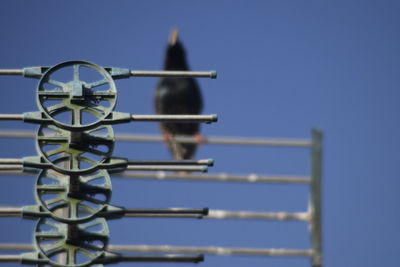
181 151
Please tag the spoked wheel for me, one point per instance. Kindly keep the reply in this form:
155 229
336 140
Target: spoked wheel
71 245
76 94
73 199
76 152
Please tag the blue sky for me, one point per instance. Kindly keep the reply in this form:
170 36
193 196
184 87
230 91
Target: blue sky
284 67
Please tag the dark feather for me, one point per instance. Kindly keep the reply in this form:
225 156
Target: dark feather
178 96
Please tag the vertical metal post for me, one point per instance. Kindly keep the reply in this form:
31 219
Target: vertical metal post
315 198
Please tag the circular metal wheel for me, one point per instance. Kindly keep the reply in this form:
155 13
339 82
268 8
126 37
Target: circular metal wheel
69 245
75 152
73 198
76 94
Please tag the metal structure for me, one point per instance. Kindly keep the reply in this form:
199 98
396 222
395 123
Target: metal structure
74 143
312 216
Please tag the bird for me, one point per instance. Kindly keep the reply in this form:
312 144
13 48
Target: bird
178 96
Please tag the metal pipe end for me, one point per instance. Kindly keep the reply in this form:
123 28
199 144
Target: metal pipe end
208 162
214 118
213 74
199 258
204 169
206 211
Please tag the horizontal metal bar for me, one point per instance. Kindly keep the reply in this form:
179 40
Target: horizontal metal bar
10 258
11 117
211 250
177 74
176 118
16 246
166 213
219 177
254 215
11 168
186 139
222 251
163 258
11 72
11 212
167 168
208 162
15 212
11 161
203 211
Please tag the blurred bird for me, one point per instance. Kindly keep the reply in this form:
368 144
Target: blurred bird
178 96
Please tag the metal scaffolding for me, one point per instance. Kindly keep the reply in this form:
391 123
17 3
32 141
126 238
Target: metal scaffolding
311 216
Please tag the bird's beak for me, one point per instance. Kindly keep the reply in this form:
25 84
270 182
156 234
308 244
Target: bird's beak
173 37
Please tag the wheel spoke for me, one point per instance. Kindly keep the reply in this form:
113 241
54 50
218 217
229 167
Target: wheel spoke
57 108
51 188
49 235
73 209
51 224
56 151
97 83
52 249
71 255
76 72
96 151
95 112
53 200
92 223
76 117
93 200
97 175
53 95
74 163
56 83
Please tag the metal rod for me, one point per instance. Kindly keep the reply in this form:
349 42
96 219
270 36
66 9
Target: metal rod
253 215
11 72
167 168
185 139
11 161
211 250
11 117
10 258
180 74
10 212
166 213
176 118
315 199
16 246
219 177
208 162
163 258
11 168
